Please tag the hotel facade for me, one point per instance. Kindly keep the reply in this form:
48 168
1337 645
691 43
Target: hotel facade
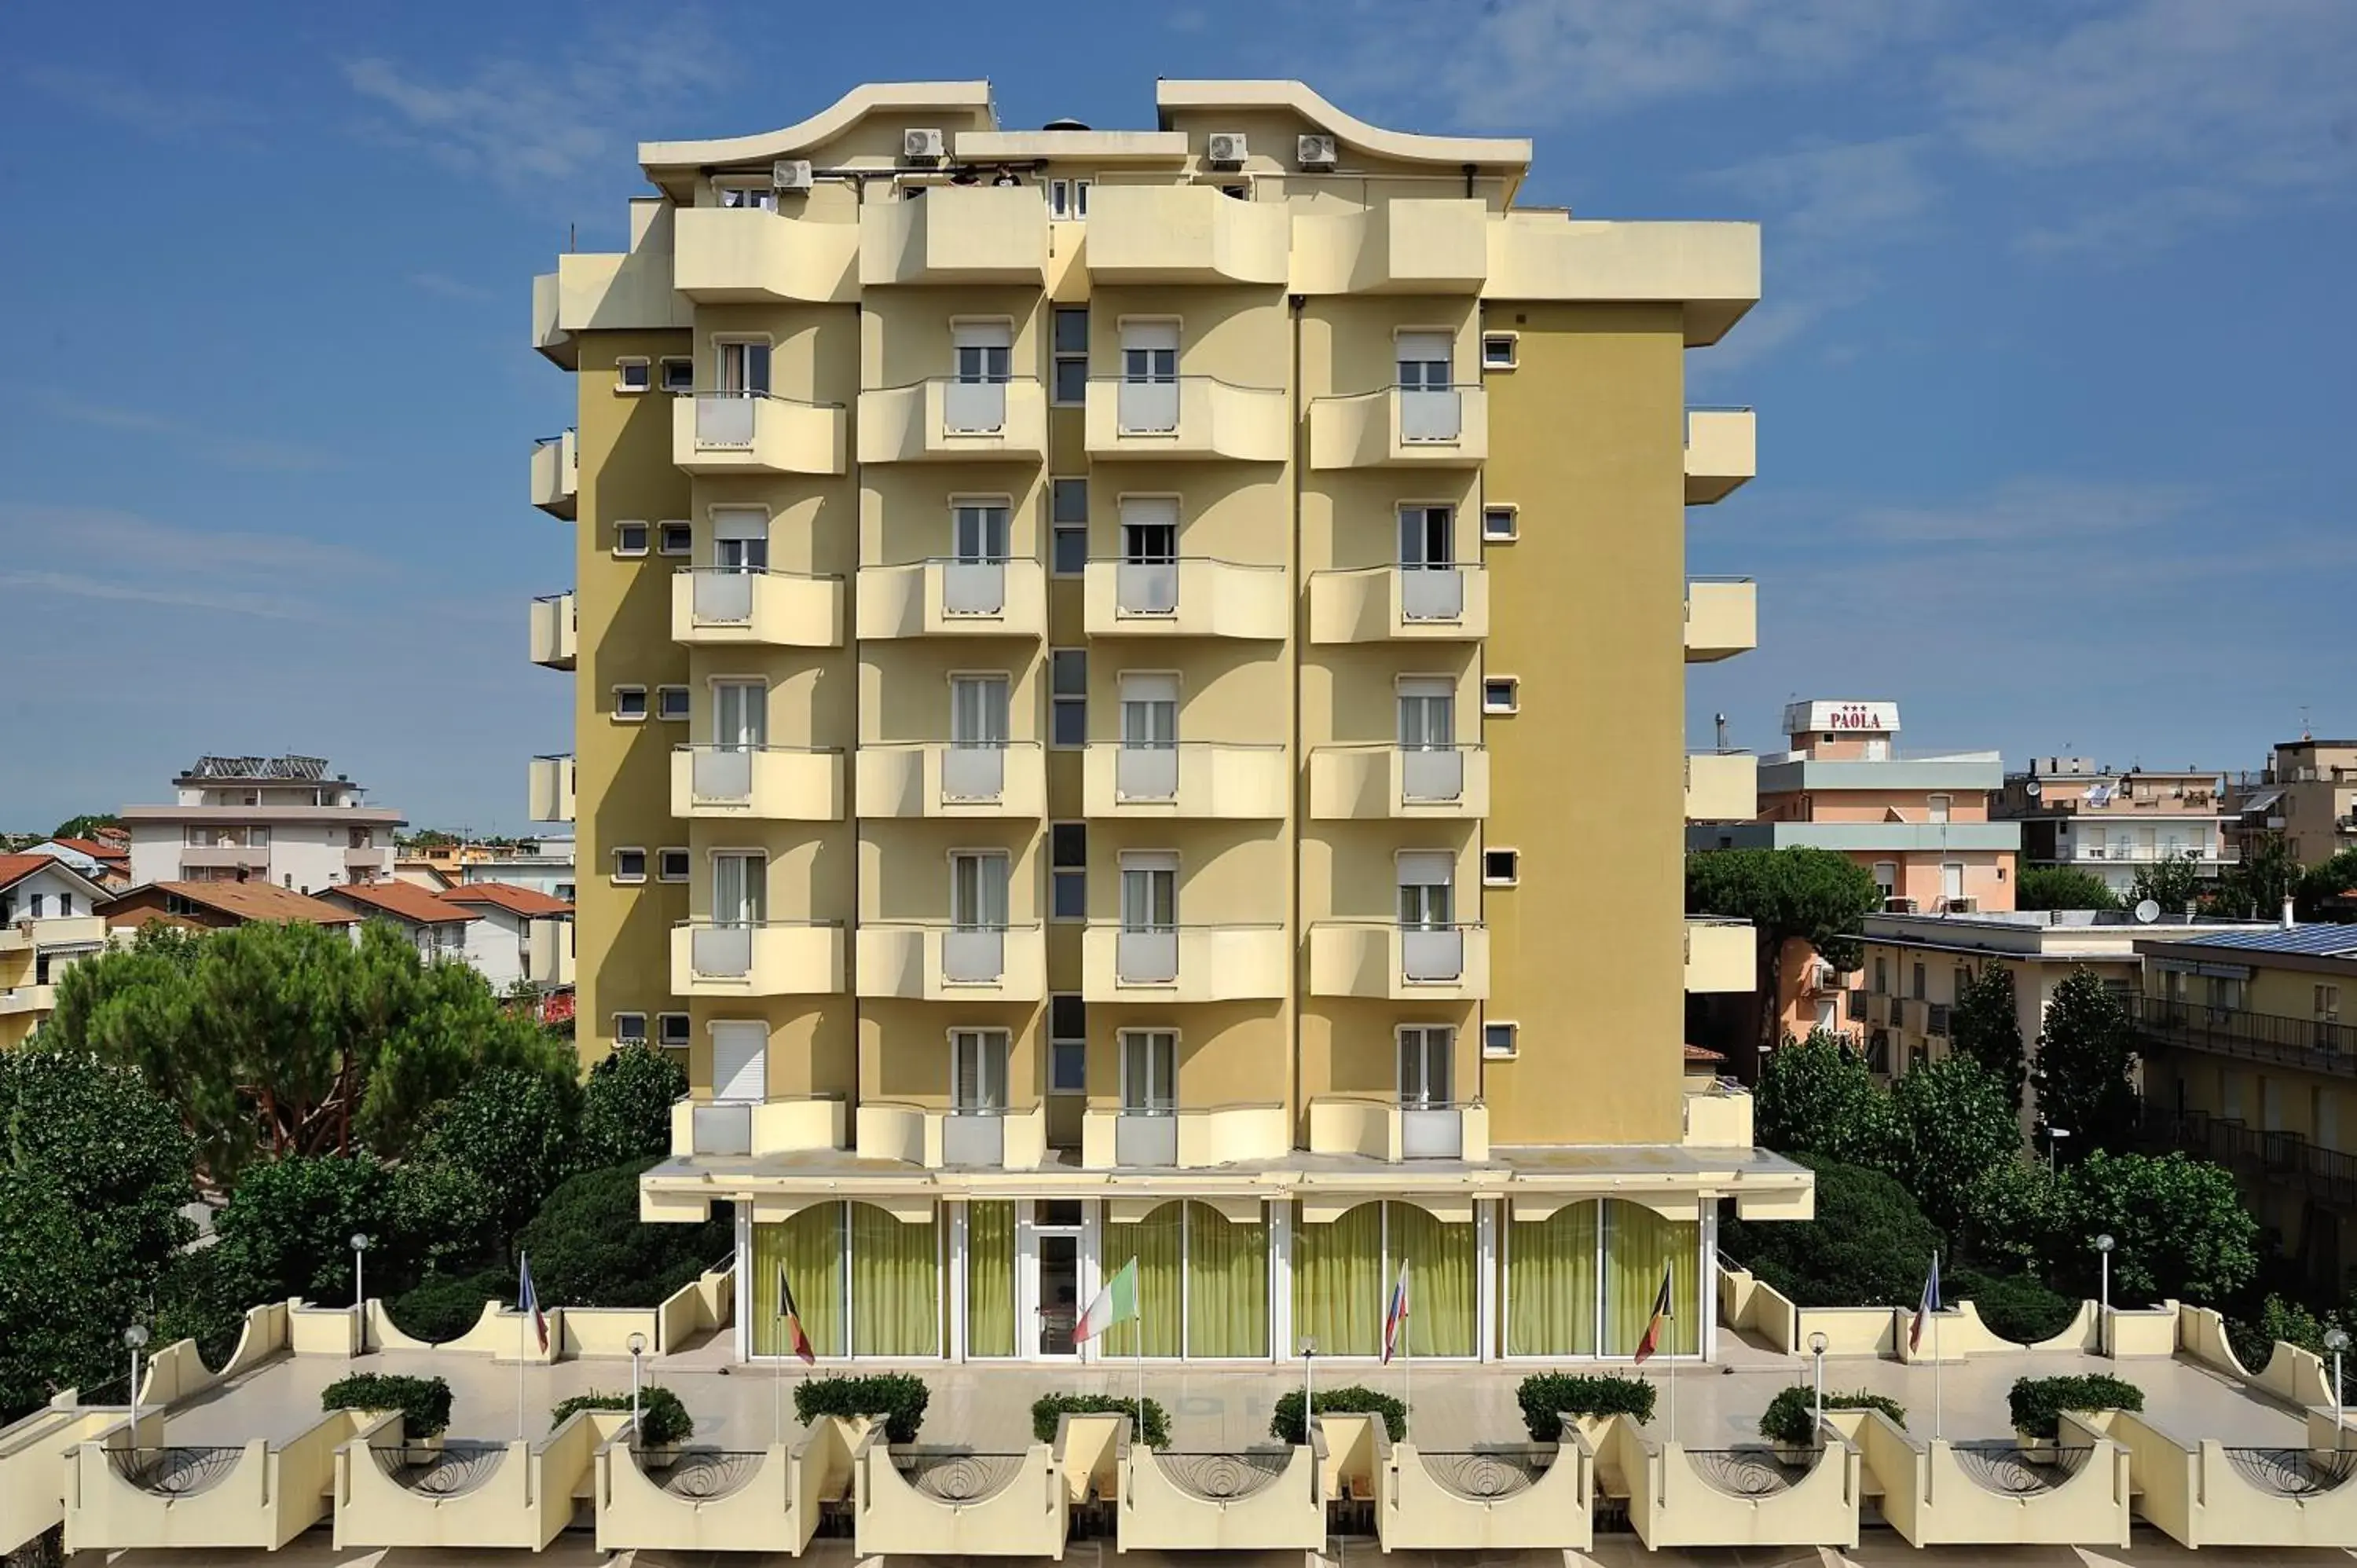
1084 649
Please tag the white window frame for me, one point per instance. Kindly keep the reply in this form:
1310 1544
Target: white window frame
982 1033
665 696
639 717
623 876
624 364
626 1033
1424 1030
1059 699
664 369
1513 346
1512 1037
1507 511
1057 357
662 860
1513 700
1121 1041
664 1023
623 548
663 537
1068 197
1511 880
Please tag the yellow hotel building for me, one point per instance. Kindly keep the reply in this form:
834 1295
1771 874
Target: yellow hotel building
1128 694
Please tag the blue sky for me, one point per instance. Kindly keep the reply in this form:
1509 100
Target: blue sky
2054 369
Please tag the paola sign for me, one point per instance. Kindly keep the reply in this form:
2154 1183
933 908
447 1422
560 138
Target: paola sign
1841 718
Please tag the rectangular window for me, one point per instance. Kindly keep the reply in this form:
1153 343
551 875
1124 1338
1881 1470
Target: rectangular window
1499 1040
1068 856
1938 805
1149 377
629 865
629 539
629 1029
1424 1062
675 539
1501 695
671 1030
1502 867
1069 527
740 887
632 375
1149 1069
1072 338
1922 992
1500 524
1068 199
1423 359
751 198
672 864
678 373
629 703
40 905
744 367
1068 1045
1498 351
978 1070
1069 695
672 703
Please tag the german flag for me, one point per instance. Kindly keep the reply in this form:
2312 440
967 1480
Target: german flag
1662 1316
792 1316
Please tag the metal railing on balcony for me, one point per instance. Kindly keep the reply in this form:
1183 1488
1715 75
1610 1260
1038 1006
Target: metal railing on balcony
723 595
724 419
2318 1045
1432 954
973 1135
1146 1134
1938 1022
2327 1176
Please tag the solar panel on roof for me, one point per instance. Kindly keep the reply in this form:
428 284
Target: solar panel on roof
2326 941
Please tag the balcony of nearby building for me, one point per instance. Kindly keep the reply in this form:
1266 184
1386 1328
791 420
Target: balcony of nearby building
556 631
226 857
1722 786
1717 1115
27 1001
755 432
556 475
751 255
1720 955
375 859
549 790
1377 604
2283 1159
1376 781
757 783
1722 452
1186 417
548 952
797 1125
939 960
1192 597
1184 1138
947 1137
950 778
1381 1128
1387 960
1184 234
2089 848
2313 1044
945 419
955 235
1434 246
1722 618
1230 963
1186 779
952 598
1397 427
761 957
714 606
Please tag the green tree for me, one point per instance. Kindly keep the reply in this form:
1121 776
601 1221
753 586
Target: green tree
431 838
1811 896
588 1247
2170 883
1955 1125
512 1130
1816 1095
2325 880
1869 1245
86 825
2178 1225
2014 1217
2084 1057
1985 1027
286 1230
2061 888
625 1106
2256 886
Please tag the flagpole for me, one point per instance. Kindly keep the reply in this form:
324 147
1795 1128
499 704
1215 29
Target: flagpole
523 1327
1939 1403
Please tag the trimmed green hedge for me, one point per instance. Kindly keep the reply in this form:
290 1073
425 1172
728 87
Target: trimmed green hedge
440 1307
2019 1307
897 1399
662 1420
423 1402
2037 1404
1790 1416
1286 1425
1153 1425
1547 1397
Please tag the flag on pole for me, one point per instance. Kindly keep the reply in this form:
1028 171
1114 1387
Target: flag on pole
1396 1317
792 1316
1117 1302
1662 1313
1930 1304
528 1301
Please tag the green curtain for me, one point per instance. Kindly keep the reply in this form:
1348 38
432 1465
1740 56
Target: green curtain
1637 1243
808 1247
1551 1283
1441 1264
990 1279
896 1287
1227 1284
1337 1282
1155 1243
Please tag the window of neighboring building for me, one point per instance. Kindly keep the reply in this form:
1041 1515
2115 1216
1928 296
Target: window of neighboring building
1938 806
675 539
1071 349
629 703
1500 524
40 905
629 865
629 1029
1500 1039
1501 695
633 374
1923 992
672 702
1069 198
671 1030
1068 1045
1498 351
1068 689
672 866
763 198
678 373
1068 524
1502 867
629 539
1068 856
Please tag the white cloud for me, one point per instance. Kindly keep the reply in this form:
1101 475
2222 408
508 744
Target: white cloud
1831 193
225 451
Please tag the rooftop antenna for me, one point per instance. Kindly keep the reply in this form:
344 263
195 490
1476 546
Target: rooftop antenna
572 237
2304 733
1719 724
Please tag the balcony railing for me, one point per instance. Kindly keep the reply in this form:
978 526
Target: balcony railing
950 961
951 598
1192 1136
1183 962
952 779
784 609
556 473
2317 1044
1191 596
949 419
1185 416
556 630
1722 452
1395 1128
1388 959
1722 618
2147 854
770 783
1391 781
1371 604
1400 427
735 432
757 958
1186 779
2327 1175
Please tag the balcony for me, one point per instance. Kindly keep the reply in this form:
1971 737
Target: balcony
1184 963
1184 1138
757 783
947 421
755 432
1722 787
1188 778
27 1001
1717 1117
2314 1045
952 598
1383 959
1377 604
1394 1130
1720 955
27 934
556 631
743 255
942 778
548 955
767 957
1191 596
1398 427
1365 783
1199 417
2077 852
1722 452
714 606
375 858
956 234
1436 245
807 1125
556 475
1184 234
233 856
1722 618
939 961
2327 1177
549 791
939 1137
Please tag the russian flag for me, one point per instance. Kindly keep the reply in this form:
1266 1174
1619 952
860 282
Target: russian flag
528 1301
1396 1317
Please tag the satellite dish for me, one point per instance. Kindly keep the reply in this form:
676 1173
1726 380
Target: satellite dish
2148 912
2033 789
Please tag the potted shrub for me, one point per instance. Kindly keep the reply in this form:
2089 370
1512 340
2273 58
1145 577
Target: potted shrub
1288 1427
895 1398
1152 1428
1547 1397
423 1403
2036 1404
664 1422
1789 1420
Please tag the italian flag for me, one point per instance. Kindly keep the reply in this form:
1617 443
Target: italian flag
1117 1302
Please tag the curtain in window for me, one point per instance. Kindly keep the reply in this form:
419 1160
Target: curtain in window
1337 1282
1227 1284
990 1279
1154 1241
1637 1243
1551 1283
809 1246
1440 1270
896 1289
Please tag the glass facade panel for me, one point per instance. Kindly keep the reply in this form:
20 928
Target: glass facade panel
1551 1283
1156 1243
895 1290
808 1248
1227 1284
1337 1282
990 1279
1638 1244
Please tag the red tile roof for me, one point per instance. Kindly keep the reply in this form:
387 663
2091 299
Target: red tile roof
95 849
14 868
530 902
249 901
402 900
1704 1054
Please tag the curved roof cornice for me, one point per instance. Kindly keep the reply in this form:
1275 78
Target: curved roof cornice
874 97
1310 105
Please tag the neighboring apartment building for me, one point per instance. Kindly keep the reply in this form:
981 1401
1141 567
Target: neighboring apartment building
216 906
281 820
546 866
48 922
106 861
438 930
519 933
2250 1045
2110 824
1061 761
2308 794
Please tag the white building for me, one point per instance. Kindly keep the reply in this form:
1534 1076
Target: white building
47 920
278 819
438 929
520 933
548 871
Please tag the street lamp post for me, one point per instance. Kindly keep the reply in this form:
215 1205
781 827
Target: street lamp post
2053 1136
1308 1354
2104 1245
360 1286
134 1337
1817 1350
638 1349
2336 1340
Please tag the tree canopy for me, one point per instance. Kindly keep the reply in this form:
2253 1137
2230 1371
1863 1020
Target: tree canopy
2084 1057
1816 1095
2061 888
86 825
1868 1246
1813 896
1985 1027
2170 883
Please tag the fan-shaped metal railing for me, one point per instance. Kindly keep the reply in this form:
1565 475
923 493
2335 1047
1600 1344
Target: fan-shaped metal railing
2292 1472
173 1472
1746 1472
1224 1478
699 1475
450 1471
957 1477
2016 1471
1485 1475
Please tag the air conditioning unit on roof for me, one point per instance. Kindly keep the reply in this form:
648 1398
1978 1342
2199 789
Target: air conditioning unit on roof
1314 152
1225 149
790 174
923 146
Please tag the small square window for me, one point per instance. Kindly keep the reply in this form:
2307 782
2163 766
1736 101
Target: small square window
1067 1043
672 703
1068 704
670 866
678 376
1501 522
675 539
1500 1039
1502 867
629 1029
1069 859
671 1030
1498 351
630 704
629 539
629 865
632 375
1501 695
1070 501
1071 549
1071 353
